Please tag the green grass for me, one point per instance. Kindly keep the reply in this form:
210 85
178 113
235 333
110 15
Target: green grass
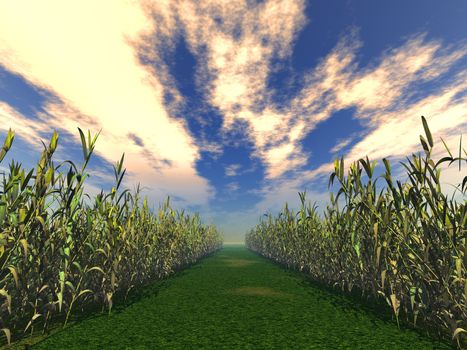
235 299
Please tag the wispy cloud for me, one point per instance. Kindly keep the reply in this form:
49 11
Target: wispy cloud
236 48
87 55
236 43
341 144
396 133
232 170
233 186
111 74
10 118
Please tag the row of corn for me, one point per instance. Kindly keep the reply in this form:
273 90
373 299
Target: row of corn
59 252
405 243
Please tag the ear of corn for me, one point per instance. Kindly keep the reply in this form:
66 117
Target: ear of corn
406 243
58 253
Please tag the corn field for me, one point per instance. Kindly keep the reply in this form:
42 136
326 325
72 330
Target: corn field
405 243
59 254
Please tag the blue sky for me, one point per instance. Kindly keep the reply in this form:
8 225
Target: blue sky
232 107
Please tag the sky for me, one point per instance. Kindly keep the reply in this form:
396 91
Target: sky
231 107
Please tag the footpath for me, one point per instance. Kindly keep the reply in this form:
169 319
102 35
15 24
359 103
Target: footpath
235 299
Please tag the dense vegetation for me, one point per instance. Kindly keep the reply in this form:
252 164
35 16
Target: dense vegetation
235 299
59 254
406 244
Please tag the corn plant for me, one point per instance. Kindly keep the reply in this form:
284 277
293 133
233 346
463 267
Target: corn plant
405 243
59 254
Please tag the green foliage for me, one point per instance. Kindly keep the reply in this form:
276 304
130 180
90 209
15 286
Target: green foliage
406 244
58 253
242 301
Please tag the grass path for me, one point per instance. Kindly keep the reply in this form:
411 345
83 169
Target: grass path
235 299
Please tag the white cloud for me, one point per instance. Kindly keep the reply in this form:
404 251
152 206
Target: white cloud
235 42
86 54
240 42
233 186
396 133
12 119
232 170
94 71
341 144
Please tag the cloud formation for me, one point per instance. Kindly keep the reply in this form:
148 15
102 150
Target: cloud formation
85 55
236 43
232 170
106 64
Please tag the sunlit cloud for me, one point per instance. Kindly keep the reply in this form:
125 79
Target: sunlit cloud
396 133
12 119
86 54
240 41
112 74
238 64
236 43
341 144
